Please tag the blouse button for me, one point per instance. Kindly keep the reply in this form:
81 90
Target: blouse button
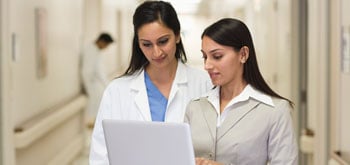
211 156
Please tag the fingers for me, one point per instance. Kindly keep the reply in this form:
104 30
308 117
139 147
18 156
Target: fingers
203 161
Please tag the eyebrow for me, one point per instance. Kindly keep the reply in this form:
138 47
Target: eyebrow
167 35
212 51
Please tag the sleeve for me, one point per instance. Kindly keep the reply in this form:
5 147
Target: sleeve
98 150
88 70
282 146
101 72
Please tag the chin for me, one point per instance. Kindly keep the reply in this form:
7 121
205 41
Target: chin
215 83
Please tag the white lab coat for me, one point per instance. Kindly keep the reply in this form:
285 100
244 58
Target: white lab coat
94 78
126 98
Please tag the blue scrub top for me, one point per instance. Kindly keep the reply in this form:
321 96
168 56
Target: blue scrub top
157 102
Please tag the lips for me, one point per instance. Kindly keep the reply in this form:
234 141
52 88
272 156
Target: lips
213 75
159 59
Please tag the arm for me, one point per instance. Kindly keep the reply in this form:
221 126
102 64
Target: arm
282 146
101 73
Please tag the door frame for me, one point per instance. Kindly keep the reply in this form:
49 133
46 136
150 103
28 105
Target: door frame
299 63
7 149
319 78
1 78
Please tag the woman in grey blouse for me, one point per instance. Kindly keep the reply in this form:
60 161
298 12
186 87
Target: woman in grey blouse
241 121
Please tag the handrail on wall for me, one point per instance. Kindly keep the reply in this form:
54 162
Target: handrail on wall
27 136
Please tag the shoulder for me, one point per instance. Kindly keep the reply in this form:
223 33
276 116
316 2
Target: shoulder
196 75
281 108
198 106
195 71
278 108
281 103
200 99
121 83
276 104
89 47
199 103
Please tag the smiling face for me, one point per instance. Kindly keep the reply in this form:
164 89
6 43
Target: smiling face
158 44
223 63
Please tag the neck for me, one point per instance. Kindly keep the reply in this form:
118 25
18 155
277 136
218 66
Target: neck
162 75
228 92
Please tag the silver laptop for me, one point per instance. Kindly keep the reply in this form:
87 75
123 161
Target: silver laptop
148 143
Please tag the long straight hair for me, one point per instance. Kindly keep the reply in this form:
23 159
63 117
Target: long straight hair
148 12
234 33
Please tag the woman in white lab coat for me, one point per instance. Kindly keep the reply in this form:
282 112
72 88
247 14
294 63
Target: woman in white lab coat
242 121
158 84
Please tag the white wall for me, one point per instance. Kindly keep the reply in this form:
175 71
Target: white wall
270 24
30 99
116 18
35 95
191 30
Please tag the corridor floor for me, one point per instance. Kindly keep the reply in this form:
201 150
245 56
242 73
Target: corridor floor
83 158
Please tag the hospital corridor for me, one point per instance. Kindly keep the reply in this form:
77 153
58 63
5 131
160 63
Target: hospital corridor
302 48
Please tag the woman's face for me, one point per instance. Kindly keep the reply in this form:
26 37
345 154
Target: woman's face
223 63
158 43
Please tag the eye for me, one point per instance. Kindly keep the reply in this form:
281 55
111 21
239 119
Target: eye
217 57
145 44
163 41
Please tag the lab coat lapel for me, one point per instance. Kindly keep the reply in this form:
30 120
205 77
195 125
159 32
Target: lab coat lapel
235 115
180 78
141 99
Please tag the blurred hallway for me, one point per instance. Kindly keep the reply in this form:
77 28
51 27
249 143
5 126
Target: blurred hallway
303 49
83 157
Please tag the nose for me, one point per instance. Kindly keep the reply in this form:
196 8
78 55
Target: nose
207 64
157 51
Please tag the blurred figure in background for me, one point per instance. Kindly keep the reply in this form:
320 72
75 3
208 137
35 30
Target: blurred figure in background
94 76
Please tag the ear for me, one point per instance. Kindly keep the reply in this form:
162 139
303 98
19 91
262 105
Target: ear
244 54
178 39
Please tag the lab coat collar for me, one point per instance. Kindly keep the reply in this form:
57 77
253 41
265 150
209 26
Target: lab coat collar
141 98
180 78
181 75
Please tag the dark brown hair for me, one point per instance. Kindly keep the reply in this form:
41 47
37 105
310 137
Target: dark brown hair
234 33
148 12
